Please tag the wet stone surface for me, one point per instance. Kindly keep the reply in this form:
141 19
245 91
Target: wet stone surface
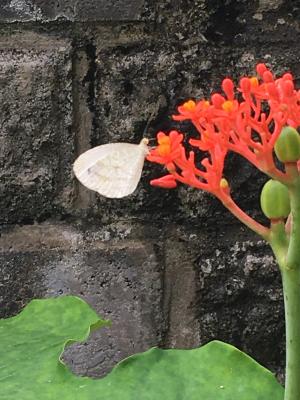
70 10
120 280
36 141
173 286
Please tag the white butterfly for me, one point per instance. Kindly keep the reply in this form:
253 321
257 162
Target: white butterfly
113 169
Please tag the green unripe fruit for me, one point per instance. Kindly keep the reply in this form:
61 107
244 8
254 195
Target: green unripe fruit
274 200
287 146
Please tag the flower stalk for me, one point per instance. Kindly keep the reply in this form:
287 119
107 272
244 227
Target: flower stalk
291 291
255 226
293 255
290 272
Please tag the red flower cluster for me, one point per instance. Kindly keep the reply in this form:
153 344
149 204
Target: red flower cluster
171 153
247 120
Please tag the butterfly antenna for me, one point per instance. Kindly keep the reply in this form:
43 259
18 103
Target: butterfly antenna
150 119
154 112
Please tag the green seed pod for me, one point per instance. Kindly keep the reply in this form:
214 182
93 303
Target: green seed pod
287 146
274 200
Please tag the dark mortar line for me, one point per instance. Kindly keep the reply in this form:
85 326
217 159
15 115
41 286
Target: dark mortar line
75 119
64 22
86 29
166 297
90 78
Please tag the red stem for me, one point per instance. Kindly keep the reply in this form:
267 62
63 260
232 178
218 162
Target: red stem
255 226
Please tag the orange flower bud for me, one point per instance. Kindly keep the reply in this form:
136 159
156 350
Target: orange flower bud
224 183
204 104
163 140
254 81
189 105
164 149
227 105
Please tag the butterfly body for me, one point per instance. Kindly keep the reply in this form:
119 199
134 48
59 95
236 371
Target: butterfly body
113 169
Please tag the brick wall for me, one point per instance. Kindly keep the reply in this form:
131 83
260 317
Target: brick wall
170 268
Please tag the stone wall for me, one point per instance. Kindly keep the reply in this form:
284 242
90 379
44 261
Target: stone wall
169 268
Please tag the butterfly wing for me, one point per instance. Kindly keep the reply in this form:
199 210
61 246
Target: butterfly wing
113 169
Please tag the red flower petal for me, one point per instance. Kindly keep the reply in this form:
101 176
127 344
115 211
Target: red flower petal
167 182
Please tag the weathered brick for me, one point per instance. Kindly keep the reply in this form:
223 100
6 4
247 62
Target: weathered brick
72 10
36 140
114 272
172 286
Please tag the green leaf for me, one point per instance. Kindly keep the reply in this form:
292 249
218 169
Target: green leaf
30 368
